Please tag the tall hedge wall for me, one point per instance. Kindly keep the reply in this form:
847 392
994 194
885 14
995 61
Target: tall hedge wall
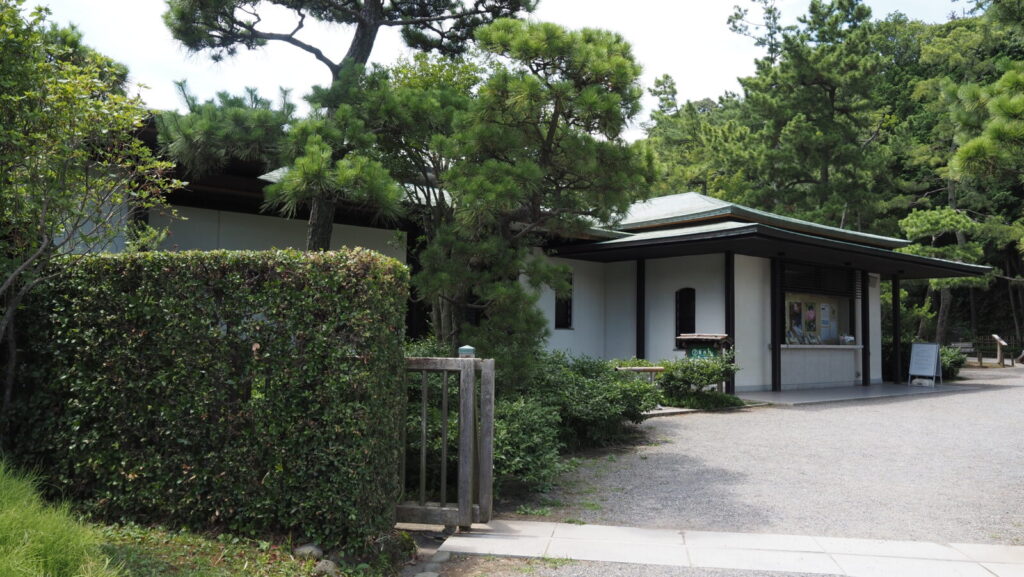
253 391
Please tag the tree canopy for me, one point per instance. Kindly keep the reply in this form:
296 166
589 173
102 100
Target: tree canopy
72 169
885 125
221 27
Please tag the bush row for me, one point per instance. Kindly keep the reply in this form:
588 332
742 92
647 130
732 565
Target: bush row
572 402
252 391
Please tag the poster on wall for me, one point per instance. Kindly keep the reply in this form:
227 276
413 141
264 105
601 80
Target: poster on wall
796 323
810 318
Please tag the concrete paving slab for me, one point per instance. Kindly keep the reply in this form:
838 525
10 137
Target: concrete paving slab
618 534
867 566
765 541
880 548
991 553
638 553
760 560
738 551
506 545
1005 569
520 528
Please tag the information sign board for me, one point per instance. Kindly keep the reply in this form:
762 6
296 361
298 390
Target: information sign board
924 362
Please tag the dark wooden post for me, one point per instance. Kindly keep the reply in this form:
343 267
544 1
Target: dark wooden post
777 318
865 329
641 308
730 312
897 336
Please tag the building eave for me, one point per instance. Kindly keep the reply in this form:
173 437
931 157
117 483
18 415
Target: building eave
760 240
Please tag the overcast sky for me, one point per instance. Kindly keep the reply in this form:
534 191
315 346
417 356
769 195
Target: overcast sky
688 39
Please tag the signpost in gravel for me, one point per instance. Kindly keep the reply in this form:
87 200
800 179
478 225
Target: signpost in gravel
924 362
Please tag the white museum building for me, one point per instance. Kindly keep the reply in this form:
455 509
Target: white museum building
798 302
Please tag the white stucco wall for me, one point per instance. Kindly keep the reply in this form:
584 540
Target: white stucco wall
706 275
604 318
753 323
207 229
620 310
586 337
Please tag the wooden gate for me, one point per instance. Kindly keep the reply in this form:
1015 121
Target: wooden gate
475 410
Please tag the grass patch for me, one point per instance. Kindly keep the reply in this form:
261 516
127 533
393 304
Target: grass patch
533 511
155 552
705 401
40 539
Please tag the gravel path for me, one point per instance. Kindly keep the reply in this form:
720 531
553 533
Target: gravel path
944 467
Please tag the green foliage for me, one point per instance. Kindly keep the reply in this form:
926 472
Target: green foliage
258 392
242 131
593 399
71 167
445 26
705 401
37 539
142 551
526 443
539 153
952 360
687 376
223 26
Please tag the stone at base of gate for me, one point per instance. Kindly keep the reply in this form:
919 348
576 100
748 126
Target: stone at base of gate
308 551
327 568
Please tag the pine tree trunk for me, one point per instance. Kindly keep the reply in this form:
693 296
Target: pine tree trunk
945 302
922 327
1013 307
974 312
321 224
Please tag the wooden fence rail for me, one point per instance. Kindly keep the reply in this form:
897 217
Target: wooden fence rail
475 410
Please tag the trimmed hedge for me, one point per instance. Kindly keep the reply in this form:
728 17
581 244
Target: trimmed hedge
252 391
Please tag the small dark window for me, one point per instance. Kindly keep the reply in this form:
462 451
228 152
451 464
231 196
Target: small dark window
686 311
563 309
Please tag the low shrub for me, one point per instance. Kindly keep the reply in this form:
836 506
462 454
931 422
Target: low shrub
526 444
705 401
952 360
38 539
686 376
593 400
249 391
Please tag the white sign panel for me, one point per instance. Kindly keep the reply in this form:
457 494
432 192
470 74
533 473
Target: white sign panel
924 361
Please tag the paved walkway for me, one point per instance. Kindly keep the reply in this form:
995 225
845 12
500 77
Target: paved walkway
743 551
810 396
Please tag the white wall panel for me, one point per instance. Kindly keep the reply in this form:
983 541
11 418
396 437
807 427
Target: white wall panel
753 323
706 275
204 229
620 310
586 337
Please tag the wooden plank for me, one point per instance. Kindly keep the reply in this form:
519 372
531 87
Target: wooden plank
486 465
431 514
423 438
444 438
467 434
641 369
436 363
